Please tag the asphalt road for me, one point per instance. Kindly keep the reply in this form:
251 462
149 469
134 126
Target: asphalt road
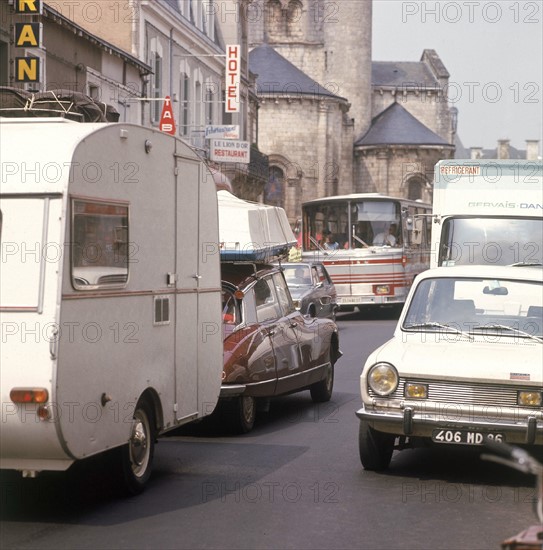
295 481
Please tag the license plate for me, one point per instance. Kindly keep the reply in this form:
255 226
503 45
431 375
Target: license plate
464 437
348 300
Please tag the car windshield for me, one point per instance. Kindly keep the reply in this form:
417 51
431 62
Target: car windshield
495 241
299 275
510 308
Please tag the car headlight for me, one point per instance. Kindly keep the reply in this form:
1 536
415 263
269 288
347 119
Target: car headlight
529 398
383 378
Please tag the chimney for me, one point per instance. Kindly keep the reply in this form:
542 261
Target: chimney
532 149
476 153
503 148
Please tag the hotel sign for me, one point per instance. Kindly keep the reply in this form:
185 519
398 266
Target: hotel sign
28 36
232 79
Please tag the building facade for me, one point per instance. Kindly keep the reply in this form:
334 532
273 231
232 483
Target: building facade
69 58
177 49
334 121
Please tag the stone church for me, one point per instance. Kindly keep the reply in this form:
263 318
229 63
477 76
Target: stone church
331 120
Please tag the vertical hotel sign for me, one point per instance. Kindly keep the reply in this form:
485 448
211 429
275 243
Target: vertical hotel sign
233 61
28 35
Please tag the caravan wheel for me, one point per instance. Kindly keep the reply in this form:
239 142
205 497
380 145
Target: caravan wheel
137 456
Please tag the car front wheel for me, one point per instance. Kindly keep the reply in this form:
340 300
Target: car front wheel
375 447
321 392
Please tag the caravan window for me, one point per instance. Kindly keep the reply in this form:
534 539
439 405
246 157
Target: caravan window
99 244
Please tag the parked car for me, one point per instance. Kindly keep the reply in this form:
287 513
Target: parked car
270 348
312 290
464 364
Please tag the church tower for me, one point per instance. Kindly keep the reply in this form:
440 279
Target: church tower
347 56
329 41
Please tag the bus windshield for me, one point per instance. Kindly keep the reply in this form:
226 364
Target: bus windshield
494 241
352 224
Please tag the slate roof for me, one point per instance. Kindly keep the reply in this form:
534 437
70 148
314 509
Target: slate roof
460 152
277 76
402 74
396 126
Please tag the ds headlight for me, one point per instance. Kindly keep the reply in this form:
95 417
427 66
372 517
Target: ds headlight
383 378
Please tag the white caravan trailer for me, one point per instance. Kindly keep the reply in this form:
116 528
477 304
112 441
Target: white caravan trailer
487 212
109 293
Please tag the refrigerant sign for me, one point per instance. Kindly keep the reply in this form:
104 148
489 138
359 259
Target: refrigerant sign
27 36
233 60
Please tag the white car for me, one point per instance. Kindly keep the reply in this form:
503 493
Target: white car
465 364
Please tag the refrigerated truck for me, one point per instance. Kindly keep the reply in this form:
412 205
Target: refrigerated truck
110 297
487 212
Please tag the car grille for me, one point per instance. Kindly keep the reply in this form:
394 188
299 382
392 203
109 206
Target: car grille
464 393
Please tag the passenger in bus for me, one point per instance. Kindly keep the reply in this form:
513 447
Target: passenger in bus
388 238
330 242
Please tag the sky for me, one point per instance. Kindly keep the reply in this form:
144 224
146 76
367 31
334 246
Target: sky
493 52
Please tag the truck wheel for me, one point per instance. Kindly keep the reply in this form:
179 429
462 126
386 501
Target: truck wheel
375 447
321 392
137 456
245 413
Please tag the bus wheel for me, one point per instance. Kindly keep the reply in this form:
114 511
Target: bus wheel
137 456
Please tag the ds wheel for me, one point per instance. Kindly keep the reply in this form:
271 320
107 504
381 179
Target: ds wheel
321 392
375 447
137 456
245 414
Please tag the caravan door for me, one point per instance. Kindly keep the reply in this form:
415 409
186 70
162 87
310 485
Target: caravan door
198 346
186 299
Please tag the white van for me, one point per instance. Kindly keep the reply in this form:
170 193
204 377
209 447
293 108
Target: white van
110 293
487 212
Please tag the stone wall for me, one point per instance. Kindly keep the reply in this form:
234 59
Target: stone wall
306 138
389 170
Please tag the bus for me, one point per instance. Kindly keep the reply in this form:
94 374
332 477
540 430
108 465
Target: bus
488 212
372 245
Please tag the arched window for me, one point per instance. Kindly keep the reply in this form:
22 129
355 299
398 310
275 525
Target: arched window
273 191
294 19
414 189
274 19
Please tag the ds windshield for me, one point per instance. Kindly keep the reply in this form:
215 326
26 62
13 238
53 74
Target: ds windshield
495 241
